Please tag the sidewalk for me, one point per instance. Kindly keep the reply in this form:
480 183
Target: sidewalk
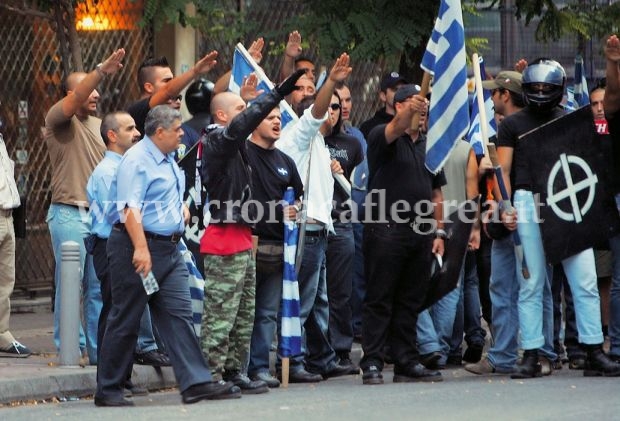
39 377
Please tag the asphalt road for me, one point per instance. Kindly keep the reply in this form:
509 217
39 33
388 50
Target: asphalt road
566 395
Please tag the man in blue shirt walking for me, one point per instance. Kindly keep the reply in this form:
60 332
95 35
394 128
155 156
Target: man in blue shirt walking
148 192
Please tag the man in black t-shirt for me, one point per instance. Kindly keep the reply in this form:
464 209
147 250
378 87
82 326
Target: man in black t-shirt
398 246
272 173
389 84
543 87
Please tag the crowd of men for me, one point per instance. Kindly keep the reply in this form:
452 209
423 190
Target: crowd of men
363 273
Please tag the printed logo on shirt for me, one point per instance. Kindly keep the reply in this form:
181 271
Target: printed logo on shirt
338 153
282 171
181 149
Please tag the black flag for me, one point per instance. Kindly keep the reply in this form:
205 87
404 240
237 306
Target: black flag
570 175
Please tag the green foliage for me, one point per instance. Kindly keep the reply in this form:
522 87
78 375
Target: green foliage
586 18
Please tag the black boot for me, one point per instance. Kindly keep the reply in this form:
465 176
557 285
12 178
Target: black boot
599 364
529 366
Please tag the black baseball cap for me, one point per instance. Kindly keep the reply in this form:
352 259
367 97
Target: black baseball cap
390 80
406 91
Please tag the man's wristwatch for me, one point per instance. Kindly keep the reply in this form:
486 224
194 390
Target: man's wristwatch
441 233
98 69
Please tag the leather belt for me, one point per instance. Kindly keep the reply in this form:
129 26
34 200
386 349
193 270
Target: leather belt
174 238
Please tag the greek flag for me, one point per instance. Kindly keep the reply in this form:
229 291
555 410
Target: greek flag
196 286
577 96
445 59
474 135
243 66
290 341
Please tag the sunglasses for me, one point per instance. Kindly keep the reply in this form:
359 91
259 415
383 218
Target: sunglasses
334 107
176 98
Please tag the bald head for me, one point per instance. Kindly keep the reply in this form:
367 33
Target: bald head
73 80
225 106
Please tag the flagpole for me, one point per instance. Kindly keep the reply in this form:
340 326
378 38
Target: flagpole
482 112
426 83
491 153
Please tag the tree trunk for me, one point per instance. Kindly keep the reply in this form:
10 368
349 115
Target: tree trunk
67 36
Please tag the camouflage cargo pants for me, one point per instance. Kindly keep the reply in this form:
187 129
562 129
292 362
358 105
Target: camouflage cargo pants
228 319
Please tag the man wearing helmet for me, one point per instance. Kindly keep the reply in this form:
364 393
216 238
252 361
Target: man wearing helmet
198 100
543 87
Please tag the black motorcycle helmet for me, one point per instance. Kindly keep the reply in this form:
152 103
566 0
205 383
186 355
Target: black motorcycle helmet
551 75
198 96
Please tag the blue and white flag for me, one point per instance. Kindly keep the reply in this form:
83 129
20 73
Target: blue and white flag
196 287
445 59
290 341
243 66
580 87
474 136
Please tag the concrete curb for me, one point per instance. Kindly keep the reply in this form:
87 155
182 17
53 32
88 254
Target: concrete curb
72 383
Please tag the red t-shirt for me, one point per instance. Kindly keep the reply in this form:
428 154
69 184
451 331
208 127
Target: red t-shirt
226 239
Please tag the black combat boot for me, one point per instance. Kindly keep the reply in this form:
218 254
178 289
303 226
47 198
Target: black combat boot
529 366
599 364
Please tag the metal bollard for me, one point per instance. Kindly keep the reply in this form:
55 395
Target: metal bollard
70 275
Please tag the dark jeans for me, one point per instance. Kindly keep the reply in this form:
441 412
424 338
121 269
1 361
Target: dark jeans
171 310
358 289
340 255
268 298
483 265
397 277
559 286
468 310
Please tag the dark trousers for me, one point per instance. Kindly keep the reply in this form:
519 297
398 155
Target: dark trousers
339 266
358 289
171 310
483 265
397 277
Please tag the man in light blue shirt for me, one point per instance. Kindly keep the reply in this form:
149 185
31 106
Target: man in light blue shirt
148 192
119 133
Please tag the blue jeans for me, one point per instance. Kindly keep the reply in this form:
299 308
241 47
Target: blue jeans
580 272
66 224
268 297
559 289
614 300
316 351
504 292
468 314
439 318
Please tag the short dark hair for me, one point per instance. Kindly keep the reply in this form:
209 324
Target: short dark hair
144 71
110 122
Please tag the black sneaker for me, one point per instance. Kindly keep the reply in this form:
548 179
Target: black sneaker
416 373
154 358
15 350
247 386
345 360
372 375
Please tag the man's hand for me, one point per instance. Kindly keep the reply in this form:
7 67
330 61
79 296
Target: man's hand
520 65
341 69
248 89
293 46
205 64
509 218
186 214
290 212
485 166
336 167
438 246
113 63
288 85
612 49
142 260
256 50
474 239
